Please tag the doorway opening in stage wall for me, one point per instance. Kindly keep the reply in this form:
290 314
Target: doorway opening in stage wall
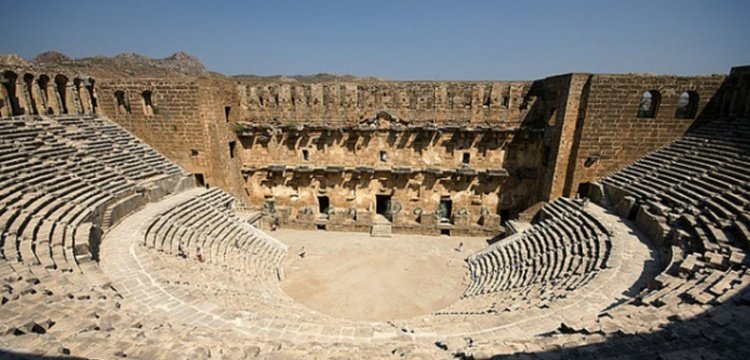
323 205
383 206
445 210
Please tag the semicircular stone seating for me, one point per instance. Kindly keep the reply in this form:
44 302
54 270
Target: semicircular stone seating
204 222
574 263
566 249
56 173
692 198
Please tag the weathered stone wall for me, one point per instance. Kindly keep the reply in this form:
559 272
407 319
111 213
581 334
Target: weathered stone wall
609 134
172 124
421 143
417 168
186 121
457 102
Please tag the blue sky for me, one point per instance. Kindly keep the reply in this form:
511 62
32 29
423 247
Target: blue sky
408 39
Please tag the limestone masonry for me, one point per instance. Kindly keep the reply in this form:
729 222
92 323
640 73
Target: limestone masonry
617 205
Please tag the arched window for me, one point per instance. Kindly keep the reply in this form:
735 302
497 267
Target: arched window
687 105
90 83
148 105
123 106
62 91
649 105
9 80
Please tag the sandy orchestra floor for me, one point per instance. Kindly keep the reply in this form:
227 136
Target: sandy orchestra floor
354 276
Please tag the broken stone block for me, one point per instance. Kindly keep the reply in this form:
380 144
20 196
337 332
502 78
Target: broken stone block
625 207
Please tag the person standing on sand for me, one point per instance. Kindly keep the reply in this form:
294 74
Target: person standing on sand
181 250
199 254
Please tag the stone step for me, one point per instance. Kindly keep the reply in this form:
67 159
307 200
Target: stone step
381 227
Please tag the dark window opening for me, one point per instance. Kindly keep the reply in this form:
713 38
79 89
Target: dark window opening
92 96
446 232
148 105
649 104
200 180
260 100
506 101
28 80
687 105
466 158
194 152
323 204
227 110
232 145
62 87
383 206
9 79
123 107
320 226
383 156
305 154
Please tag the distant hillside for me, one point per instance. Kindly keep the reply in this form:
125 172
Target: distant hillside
179 64
127 64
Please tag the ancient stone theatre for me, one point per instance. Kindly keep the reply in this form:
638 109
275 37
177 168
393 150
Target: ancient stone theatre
153 209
